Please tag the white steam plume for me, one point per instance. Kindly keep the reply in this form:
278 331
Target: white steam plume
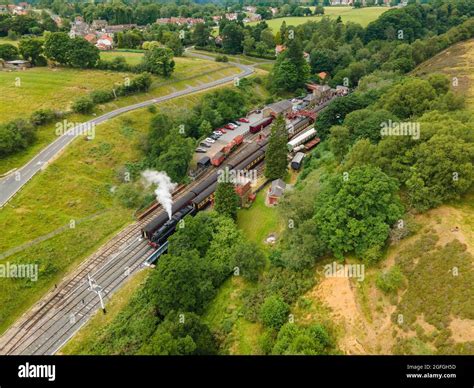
164 187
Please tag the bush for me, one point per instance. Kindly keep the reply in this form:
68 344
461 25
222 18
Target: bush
222 58
390 281
274 312
42 116
16 135
83 105
141 83
128 196
101 96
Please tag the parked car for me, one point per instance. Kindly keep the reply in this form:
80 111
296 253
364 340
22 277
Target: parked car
204 145
209 140
218 133
200 150
243 120
222 130
229 126
236 123
215 137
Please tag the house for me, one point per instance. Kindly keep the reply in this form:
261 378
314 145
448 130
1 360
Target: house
276 190
105 42
111 30
250 9
274 11
91 38
180 21
231 16
243 190
17 64
79 28
99 24
321 92
323 75
277 108
279 49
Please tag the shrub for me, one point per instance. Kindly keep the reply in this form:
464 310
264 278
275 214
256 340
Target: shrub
42 116
101 96
274 312
222 58
83 105
390 281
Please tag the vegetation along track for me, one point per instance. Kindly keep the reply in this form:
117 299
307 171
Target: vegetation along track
55 319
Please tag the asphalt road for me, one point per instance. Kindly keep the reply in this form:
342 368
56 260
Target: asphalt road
12 183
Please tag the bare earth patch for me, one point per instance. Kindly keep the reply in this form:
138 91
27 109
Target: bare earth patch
372 333
462 329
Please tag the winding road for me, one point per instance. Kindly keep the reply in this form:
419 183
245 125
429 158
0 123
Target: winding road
13 182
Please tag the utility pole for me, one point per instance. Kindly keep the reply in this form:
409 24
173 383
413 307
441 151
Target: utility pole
94 287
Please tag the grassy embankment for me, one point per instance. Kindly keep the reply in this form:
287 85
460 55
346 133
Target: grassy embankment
77 185
58 88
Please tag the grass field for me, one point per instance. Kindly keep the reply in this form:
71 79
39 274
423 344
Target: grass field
363 16
76 186
259 220
189 72
132 58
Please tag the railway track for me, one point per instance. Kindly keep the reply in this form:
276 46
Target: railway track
57 306
72 302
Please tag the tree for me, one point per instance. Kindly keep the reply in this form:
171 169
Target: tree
319 10
183 283
274 312
201 35
367 123
56 47
250 260
291 70
276 154
298 340
354 211
159 61
226 199
232 36
175 44
410 98
8 52
339 141
82 54
31 49
175 157
181 334
441 170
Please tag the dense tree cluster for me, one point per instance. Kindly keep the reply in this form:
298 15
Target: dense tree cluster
163 319
74 52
